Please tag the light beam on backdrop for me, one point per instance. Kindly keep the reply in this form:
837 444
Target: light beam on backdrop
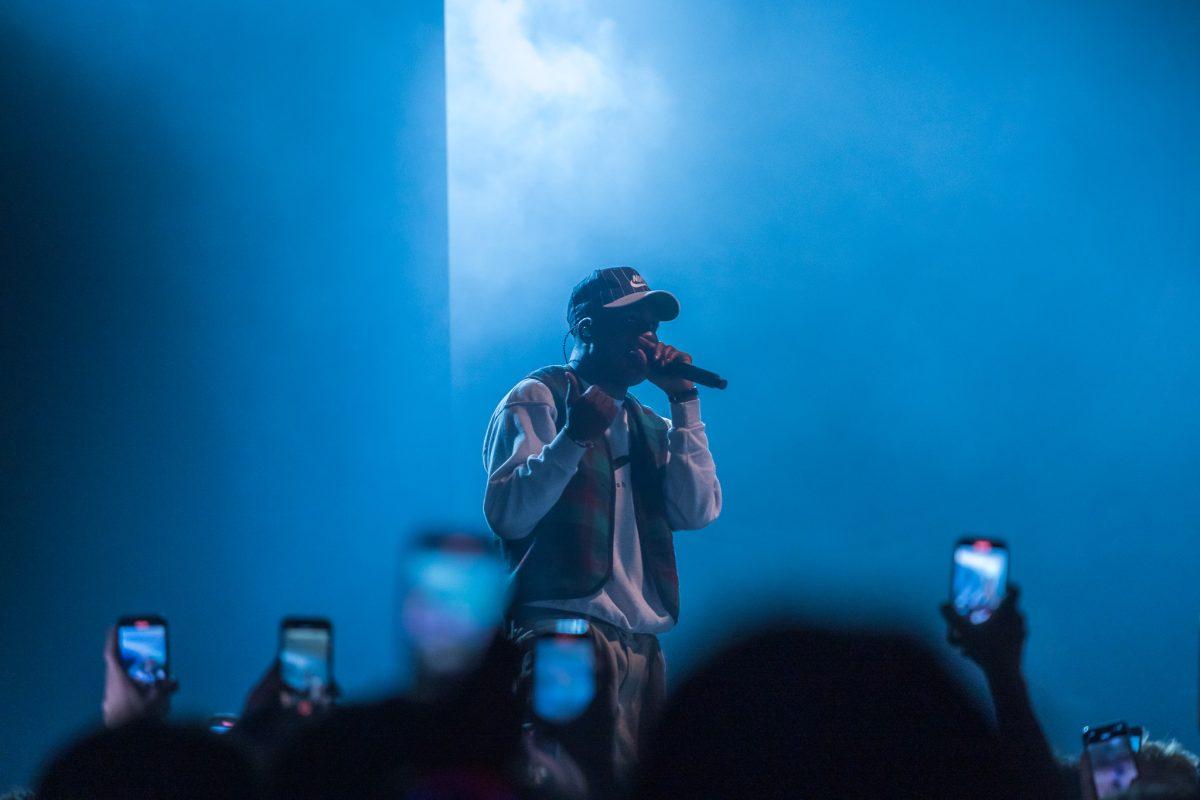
550 123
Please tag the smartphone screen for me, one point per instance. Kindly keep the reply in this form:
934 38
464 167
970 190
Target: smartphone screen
454 602
1113 765
564 676
305 653
142 648
222 723
980 578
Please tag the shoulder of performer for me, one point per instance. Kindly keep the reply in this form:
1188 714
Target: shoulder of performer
525 405
529 391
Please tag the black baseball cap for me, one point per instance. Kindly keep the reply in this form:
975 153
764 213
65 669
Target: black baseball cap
617 287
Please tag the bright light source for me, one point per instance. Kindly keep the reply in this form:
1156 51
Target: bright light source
551 123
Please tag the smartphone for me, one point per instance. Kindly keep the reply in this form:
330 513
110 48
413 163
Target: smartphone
564 672
1137 735
456 591
979 578
142 648
222 723
1111 755
306 655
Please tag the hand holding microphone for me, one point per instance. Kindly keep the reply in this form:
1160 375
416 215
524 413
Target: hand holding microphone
672 369
660 359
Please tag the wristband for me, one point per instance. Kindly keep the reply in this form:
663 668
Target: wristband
684 396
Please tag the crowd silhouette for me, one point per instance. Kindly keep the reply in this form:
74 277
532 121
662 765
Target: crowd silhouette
790 710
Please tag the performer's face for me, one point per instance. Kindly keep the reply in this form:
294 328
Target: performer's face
617 338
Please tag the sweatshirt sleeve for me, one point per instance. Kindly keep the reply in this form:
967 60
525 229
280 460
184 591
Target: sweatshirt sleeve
527 462
691 488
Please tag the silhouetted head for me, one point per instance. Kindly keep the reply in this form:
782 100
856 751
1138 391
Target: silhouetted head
1166 771
454 593
819 714
149 760
462 744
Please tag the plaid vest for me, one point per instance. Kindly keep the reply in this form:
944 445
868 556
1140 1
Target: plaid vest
570 551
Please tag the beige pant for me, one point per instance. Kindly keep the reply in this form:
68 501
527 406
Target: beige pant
630 690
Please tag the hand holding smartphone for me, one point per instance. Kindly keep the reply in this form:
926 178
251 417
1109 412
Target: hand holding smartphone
137 670
982 615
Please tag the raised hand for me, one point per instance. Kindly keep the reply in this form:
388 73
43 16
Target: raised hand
659 356
124 700
995 645
272 694
589 414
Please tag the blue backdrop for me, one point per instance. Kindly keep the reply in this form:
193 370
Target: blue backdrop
947 256
225 327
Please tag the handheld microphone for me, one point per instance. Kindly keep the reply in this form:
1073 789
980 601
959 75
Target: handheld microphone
696 375
690 371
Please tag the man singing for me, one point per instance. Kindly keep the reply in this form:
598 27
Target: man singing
586 484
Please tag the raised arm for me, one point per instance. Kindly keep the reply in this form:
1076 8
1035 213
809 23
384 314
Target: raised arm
997 646
527 462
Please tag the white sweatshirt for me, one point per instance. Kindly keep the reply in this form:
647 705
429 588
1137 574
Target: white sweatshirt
529 465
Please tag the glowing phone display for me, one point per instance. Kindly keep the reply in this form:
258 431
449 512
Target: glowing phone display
1110 753
142 648
305 656
564 676
980 578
